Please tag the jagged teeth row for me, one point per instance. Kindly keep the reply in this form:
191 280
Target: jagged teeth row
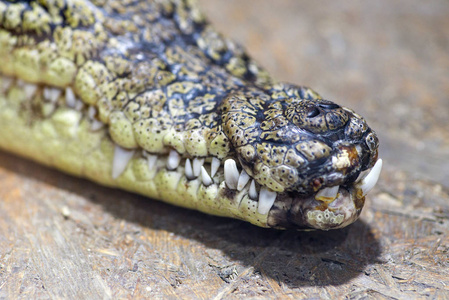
366 182
195 169
52 94
237 181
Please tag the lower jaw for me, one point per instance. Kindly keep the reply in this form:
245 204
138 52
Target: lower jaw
305 212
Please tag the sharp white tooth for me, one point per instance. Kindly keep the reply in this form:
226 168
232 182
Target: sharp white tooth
231 174
205 177
252 190
370 180
70 99
121 159
6 83
188 169
79 104
362 175
52 94
266 200
243 180
359 150
91 112
29 89
55 94
197 163
96 125
327 194
46 93
214 166
151 161
173 160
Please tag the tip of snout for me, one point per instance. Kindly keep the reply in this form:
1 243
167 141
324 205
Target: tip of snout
342 206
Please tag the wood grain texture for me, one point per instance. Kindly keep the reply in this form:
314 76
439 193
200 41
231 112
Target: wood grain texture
64 237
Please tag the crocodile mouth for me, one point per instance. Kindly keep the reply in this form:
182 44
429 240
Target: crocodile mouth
329 208
333 207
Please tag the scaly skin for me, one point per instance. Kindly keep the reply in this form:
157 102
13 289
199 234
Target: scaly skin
82 81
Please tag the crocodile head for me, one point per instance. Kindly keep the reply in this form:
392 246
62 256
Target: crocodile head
312 160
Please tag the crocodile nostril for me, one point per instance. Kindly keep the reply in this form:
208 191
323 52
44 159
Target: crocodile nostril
328 105
313 112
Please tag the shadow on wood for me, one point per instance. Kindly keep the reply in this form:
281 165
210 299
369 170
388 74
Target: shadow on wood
289 257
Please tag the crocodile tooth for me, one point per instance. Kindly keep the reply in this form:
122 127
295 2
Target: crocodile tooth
51 94
46 93
96 125
252 193
151 161
243 180
79 105
91 112
205 177
327 194
359 150
55 94
6 83
231 173
121 159
173 160
214 166
70 98
197 163
370 180
188 169
362 175
266 200
29 89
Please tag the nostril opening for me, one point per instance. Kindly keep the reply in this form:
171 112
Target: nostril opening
328 105
313 112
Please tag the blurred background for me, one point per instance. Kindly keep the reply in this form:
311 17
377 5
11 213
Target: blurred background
388 60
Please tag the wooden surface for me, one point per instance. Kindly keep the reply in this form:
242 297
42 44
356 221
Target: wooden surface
64 237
